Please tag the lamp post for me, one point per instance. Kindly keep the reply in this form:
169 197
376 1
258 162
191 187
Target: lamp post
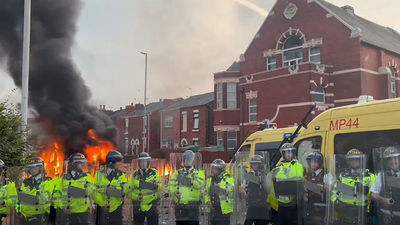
25 63
145 102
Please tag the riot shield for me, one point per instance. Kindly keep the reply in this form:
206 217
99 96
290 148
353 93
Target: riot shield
287 184
348 196
145 189
186 188
386 189
251 191
316 183
73 197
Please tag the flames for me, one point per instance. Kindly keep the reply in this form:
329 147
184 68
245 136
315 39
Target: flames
54 155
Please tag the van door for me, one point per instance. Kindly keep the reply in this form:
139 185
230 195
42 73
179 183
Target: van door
313 142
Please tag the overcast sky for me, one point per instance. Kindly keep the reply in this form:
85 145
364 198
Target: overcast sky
187 41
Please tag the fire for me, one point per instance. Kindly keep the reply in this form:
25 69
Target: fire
53 157
98 153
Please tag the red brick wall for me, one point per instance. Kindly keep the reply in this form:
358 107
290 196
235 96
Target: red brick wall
201 134
172 133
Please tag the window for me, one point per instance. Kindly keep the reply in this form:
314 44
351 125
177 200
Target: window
184 121
367 142
184 142
126 125
306 146
315 55
252 110
319 95
220 139
220 104
243 154
271 63
231 140
231 96
169 120
126 145
272 148
292 51
393 82
196 121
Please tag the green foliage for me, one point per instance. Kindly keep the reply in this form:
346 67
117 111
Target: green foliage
14 143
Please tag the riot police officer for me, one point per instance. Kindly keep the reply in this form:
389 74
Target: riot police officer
144 188
315 179
72 195
110 190
219 194
350 194
185 186
386 189
256 191
8 193
289 171
35 194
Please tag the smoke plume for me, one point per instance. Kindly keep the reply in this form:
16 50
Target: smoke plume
57 92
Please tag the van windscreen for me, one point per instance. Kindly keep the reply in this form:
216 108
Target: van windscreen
272 148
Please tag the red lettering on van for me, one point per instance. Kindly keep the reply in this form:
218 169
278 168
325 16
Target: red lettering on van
343 123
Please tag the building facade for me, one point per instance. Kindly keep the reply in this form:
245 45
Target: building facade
189 122
306 52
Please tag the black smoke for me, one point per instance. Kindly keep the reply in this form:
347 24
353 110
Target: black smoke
57 92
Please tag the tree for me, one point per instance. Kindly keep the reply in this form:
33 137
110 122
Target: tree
14 142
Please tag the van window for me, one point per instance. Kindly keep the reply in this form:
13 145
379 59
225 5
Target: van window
366 142
272 149
306 146
243 153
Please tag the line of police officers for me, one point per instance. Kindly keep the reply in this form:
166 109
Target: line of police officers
312 196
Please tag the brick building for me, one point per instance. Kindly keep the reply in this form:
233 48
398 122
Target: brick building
132 128
189 122
305 52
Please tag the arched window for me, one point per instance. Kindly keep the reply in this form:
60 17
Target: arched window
184 142
393 82
292 51
319 95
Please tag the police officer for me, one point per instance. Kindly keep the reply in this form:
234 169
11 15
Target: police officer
315 180
385 191
185 186
350 194
219 194
110 190
8 193
145 187
35 194
289 169
73 192
256 191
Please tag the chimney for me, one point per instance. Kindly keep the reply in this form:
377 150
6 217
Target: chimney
120 108
139 106
349 9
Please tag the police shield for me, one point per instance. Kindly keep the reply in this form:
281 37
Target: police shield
348 190
251 191
386 189
286 184
186 188
145 189
316 182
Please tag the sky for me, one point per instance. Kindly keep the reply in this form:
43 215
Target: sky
186 41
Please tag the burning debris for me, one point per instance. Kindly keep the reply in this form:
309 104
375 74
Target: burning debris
65 122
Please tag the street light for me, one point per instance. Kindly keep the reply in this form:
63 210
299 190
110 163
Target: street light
145 98
25 63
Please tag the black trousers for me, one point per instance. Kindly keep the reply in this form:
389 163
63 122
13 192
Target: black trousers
151 216
187 222
221 220
73 219
109 218
35 220
288 215
255 222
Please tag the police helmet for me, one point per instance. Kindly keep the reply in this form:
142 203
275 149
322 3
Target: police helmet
2 165
33 162
77 158
354 154
287 147
256 159
391 152
113 157
314 156
218 163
